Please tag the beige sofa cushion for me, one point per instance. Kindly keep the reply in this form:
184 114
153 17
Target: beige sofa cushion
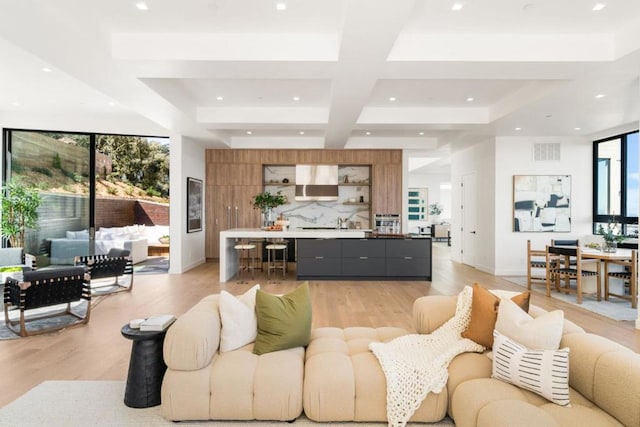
194 337
474 397
344 381
606 373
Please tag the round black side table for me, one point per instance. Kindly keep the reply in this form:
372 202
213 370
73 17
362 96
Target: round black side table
146 367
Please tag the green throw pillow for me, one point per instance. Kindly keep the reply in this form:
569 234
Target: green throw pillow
283 322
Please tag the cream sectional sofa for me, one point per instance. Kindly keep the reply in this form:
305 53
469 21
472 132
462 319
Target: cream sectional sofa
337 378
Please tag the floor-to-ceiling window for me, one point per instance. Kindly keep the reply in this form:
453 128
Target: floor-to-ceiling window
615 183
86 181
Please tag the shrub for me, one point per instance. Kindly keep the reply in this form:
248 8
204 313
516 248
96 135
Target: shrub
57 162
78 178
152 192
112 190
43 171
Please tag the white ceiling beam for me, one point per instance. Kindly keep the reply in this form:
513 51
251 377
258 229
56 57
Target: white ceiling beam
262 115
504 47
396 115
225 47
369 32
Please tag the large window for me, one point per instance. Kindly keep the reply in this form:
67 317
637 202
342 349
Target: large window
85 182
615 177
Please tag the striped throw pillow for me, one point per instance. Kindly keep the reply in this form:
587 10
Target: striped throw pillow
544 372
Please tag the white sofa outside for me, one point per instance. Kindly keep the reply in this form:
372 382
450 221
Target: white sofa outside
64 250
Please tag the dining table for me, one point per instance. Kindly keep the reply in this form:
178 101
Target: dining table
607 258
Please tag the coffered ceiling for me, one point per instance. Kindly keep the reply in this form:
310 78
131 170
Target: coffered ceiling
410 74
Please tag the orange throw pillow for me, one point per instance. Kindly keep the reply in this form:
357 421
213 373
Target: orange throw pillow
484 313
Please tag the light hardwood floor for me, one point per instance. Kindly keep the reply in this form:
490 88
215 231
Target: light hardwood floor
98 351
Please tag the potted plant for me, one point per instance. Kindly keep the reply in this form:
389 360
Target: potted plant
266 202
611 235
19 211
435 209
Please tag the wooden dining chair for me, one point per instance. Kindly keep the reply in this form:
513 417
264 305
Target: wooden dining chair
536 260
628 275
563 269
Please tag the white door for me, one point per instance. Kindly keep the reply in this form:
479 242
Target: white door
468 217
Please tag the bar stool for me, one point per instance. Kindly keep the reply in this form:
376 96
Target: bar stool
244 253
274 248
256 257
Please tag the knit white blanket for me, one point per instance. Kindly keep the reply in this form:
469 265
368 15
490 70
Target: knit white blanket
415 365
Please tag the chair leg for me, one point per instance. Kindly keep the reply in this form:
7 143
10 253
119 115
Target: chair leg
579 288
606 281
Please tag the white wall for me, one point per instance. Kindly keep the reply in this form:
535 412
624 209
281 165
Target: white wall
514 156
187 160
481 161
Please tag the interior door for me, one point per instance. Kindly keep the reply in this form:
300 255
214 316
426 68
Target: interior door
469 219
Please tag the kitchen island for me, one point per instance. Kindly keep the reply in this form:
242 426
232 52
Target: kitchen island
329 254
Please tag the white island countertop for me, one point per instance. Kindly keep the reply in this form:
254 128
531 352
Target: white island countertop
294 233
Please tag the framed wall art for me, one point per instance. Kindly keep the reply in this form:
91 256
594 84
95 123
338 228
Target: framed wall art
542 203
194 205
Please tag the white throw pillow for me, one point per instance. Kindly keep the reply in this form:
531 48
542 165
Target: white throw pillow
541 333
238 318
544 372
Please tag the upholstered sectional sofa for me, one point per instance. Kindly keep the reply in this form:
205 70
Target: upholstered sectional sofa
337 378
135 238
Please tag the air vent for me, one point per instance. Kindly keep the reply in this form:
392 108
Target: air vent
543 152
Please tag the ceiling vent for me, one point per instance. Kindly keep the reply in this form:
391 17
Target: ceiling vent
543 152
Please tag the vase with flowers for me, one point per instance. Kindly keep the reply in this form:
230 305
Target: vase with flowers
611 235
266 202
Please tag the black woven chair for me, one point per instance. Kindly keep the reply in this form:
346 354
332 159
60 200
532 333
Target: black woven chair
114 264
44 288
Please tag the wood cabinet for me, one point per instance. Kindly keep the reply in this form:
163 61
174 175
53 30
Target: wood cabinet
235 176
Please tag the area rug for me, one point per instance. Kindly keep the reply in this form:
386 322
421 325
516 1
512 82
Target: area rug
152 265
79 307
615 308
100 404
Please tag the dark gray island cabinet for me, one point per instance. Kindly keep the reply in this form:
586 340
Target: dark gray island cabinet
364 259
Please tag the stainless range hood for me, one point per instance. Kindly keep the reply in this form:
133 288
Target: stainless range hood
316 182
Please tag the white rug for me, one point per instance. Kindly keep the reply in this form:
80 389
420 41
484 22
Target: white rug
615 308
100 404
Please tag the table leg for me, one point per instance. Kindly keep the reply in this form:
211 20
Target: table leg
146 371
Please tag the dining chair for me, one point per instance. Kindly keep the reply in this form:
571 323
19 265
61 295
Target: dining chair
536 259
563 269
628 275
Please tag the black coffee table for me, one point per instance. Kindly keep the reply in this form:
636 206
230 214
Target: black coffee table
146 367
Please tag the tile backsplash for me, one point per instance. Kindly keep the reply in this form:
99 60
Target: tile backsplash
353 185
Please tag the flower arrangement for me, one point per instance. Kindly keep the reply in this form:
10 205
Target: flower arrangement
266 200
611 234
435 209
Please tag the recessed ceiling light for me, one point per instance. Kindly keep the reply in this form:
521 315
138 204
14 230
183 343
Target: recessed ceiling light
600 95
249 132
598 6
367 133
16 104
577 128
219 98
142 6
392 98
296 98
281 6
518 128
470 99
421 133
457 6
301 132
47 69
112 104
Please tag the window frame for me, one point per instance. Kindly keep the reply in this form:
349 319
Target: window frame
621 218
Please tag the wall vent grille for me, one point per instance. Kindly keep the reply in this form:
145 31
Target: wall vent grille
543 152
